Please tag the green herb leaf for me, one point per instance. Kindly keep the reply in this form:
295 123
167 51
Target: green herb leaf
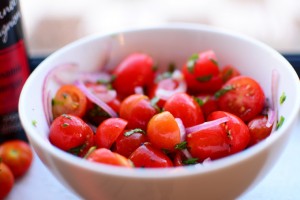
224 90
132 131
204 78
199 101
280 122
34 123
282 98
181 145
153 103
214 61
191 62
76 150
190 161
65 125
93 148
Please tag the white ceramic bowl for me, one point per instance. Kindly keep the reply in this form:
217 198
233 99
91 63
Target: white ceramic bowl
225 178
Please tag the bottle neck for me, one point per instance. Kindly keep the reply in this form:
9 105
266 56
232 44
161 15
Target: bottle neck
10 23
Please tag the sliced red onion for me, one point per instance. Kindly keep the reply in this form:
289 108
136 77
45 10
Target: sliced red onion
103 93
138 90
271 118
274 103
185 152
95 77
95 100
206 125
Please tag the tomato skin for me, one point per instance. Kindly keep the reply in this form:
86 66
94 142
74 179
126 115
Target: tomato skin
209 104
258 129
204 76
150 157
183 106
17 155
6 180
106 156
135 70
108 132
69 100
68 132
228 72
125 145
235 128
210 143
137 110
163 131
246 98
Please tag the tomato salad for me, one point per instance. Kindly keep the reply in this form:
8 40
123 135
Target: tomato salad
137 116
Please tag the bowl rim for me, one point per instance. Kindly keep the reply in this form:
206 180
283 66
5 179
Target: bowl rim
154 173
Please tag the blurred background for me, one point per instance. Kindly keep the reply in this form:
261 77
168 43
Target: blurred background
51 24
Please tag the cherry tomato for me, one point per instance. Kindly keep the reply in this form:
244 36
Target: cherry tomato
17 155
108 132
106 156
72 134
178 159
202 73
6 180
236 130
208 104
69 100
243 97
148 156
211 142
183 106
258 129
137 110
135 70
163 131
228 72
129 141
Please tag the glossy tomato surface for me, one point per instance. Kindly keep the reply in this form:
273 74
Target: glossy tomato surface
6 180
259 130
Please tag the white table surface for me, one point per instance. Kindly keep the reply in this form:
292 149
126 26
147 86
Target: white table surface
283 182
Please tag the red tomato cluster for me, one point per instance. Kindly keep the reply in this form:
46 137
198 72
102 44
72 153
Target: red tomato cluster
15 160
151 118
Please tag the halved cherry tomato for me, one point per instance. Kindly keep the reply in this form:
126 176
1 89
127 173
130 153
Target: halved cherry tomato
163 131
6 180
135 70
17 155
202 73
235 129
137 110
70 133
106 156
183 106
208 104
108 132
212 142
69 100
228 72
129 141
242 96
148 156
258 129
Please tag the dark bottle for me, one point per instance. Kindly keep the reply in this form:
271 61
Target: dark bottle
14 69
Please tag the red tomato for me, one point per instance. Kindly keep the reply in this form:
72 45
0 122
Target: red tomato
178 159
243 97
7 180
183 106
106 156
150 157
163 131
69 100
72 134
129 141
211 142
202 73
208 104
17 155
228 72
258 129
108 132
135 70
137 110
236 130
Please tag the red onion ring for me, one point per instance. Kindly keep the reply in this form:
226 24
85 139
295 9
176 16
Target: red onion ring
95 100
274 89
206 125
